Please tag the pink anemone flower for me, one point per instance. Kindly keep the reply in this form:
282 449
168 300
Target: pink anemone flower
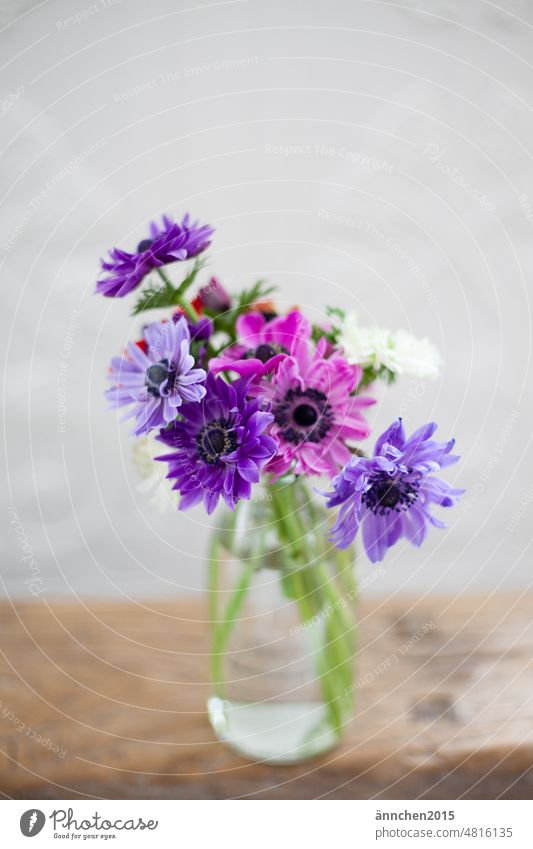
315 411
262 344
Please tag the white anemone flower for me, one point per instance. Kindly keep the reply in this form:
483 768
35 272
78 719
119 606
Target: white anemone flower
416 357
153 473
398 350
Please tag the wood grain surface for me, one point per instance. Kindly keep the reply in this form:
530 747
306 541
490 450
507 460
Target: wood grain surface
107 700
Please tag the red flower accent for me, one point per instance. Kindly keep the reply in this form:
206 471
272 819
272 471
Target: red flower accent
198 305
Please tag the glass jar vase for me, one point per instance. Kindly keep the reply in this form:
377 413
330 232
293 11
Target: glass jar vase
283 627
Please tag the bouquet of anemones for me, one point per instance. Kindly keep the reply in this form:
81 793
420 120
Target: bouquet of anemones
231 396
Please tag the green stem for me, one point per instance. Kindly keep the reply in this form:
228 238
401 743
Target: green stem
222 629
346 623
337 647
315 595
219 637
325 671
307 581
187 307
345 580
290 533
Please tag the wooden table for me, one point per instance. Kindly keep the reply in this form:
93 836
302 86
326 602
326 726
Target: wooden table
117 693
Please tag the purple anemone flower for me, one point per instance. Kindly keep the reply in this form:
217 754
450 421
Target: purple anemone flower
159 380
262 344
168 242
201 330
390 494
219 446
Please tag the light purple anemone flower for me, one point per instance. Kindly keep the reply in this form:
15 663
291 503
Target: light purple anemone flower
168 242
157 382
219 446
390 494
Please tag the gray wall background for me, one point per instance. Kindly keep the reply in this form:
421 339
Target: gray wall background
371 154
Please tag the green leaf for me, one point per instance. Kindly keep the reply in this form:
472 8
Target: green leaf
332 335
371 374
336 312
166 294
191 277
154 297
256 292
225 322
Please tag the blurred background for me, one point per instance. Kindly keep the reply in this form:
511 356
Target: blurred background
372 155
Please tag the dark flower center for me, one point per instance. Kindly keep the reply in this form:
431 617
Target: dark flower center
215 440
156 374
387 494
304 416
145 245
265 352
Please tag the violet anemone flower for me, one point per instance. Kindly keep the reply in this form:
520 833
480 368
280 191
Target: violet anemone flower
390 494
262 343
201 330
315 410
168 242
157 377
219 446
